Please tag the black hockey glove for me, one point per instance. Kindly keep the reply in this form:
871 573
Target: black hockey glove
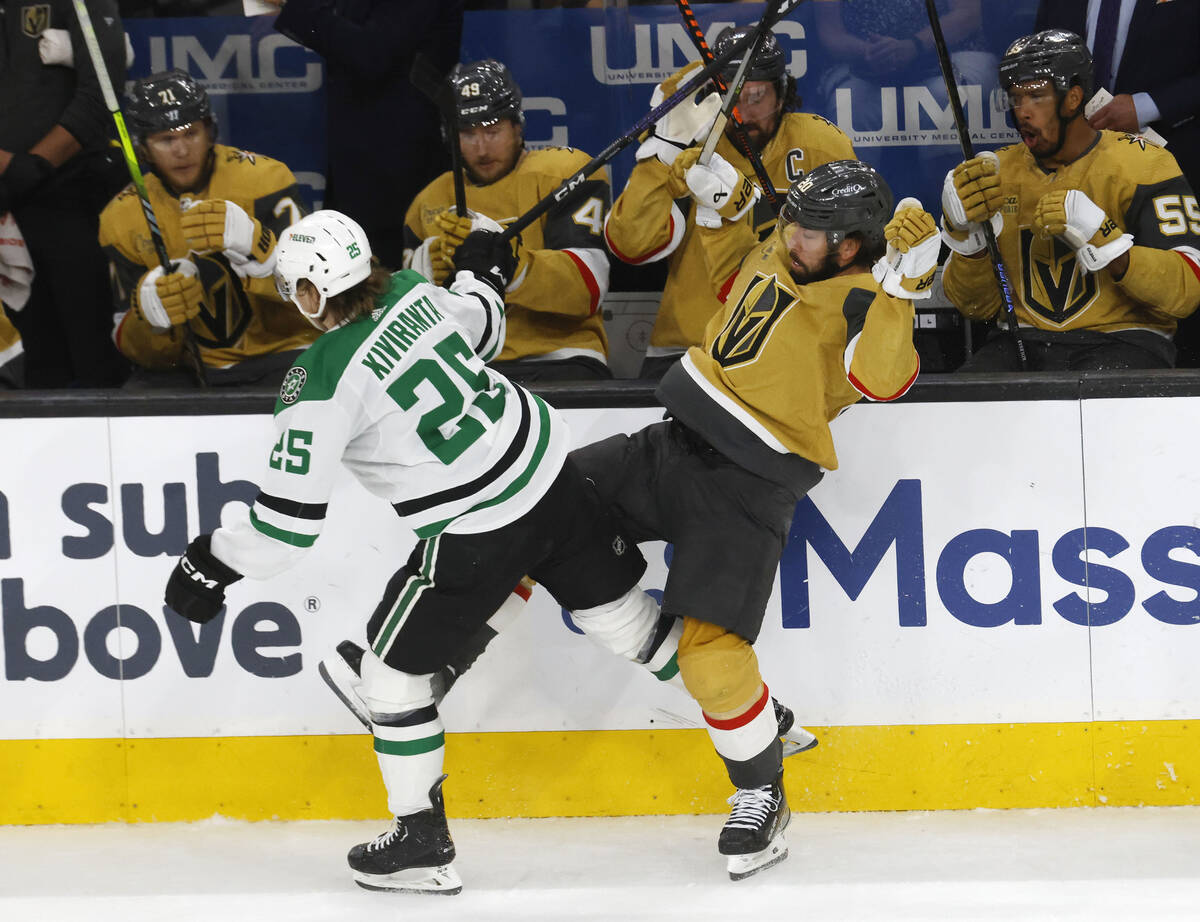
196 588
24 173
488 257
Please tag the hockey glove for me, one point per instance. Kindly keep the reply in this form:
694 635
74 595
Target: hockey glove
196 588
25 173
488 257
907 269
454 231
683 126
225 226
165 300
1082 224
971 194
720 189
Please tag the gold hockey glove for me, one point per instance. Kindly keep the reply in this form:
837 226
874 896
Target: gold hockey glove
720 190
907 269
166 300
222 225
1083 225
683 126
971 194
454 231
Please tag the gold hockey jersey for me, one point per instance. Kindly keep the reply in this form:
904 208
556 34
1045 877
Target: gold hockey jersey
645 225
552 307
10 347
781 360
240 318
1140 187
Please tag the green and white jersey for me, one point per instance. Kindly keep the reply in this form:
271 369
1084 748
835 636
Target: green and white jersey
403 399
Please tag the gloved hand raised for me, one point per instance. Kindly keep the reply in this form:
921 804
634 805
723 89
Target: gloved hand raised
168 299
454 230
196 587
221 225
1083 225
720 189
908 267
685 125
971 194
487 256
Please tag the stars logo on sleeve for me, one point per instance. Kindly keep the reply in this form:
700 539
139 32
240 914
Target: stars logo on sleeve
293 381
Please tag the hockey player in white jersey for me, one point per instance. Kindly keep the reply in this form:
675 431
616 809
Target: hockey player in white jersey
397 391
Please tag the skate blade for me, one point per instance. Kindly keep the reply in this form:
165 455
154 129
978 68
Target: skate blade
348 699
440 881
743 866
797 740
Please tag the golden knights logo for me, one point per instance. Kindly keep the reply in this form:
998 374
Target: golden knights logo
1053 283
225 313
749 326
35 19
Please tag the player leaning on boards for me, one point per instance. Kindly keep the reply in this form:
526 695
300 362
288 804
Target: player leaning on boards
397 391
1099 230
817 316
555 331
653 218
219 210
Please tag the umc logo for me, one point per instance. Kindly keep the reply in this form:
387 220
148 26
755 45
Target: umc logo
239 63
912 115
1052 282
660 49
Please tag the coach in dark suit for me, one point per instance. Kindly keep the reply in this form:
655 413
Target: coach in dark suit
1156 51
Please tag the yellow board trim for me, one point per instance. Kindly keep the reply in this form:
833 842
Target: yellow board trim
601 773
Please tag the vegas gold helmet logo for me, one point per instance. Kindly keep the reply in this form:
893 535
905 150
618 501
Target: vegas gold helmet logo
35 19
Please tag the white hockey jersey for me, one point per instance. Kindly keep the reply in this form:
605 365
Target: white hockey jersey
402 398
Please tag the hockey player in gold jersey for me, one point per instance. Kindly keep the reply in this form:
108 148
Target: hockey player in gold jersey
1098 230
818 316
555 330
219 210
653 218
12 359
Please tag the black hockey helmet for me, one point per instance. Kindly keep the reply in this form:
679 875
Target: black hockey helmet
486 92
841 197
166 100
1052 54
769 61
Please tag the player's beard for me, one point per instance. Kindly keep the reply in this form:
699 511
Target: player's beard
826 270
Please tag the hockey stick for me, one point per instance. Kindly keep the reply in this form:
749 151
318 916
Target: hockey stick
135 173
735 86
439 91
968 151
572 183
741 139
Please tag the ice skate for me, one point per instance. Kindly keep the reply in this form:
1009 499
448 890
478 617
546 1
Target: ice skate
752 837
413 856
795 738
342 672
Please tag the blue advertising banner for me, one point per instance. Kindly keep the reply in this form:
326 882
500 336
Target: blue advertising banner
267 92
587 74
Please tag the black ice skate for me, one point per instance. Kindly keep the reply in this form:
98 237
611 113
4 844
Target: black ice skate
413 856
342 672
752 837
795 738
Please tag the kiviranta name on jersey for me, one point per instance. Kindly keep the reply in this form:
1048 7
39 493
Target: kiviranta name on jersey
399 334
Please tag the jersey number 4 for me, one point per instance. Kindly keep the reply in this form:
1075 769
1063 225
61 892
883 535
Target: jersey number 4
448 429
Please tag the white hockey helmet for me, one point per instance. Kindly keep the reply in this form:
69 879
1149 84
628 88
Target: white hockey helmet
326 247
